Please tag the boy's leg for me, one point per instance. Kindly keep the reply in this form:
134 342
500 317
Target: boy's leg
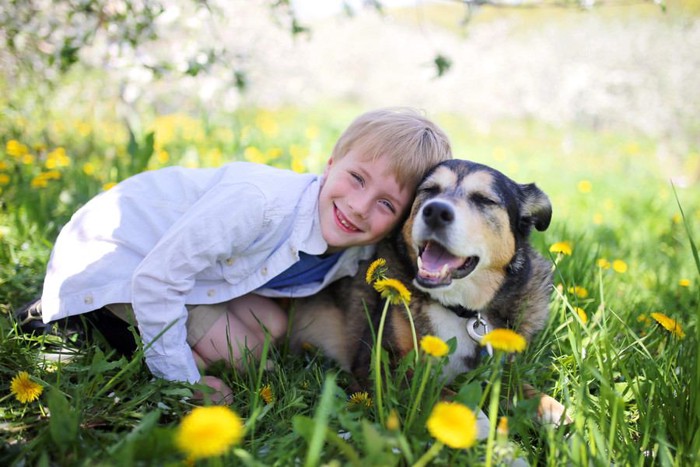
244 322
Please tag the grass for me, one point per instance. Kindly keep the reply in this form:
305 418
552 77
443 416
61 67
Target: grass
631 385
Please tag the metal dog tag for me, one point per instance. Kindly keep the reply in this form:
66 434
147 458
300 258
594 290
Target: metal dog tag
477 328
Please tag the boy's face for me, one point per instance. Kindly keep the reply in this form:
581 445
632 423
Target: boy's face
360 201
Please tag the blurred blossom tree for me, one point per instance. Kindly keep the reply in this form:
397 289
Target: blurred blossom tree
44 39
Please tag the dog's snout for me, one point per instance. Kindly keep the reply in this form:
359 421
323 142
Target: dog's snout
438 214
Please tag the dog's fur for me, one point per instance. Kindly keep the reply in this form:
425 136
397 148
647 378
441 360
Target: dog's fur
463 250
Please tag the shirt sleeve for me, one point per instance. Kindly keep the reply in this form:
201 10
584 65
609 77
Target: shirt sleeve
223 222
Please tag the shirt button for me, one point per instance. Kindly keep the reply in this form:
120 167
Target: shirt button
263 271
88 299
229 261
211 292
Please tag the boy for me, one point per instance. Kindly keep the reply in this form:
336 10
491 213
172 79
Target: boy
199 254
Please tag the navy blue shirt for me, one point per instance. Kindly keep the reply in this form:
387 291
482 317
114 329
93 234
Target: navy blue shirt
309 268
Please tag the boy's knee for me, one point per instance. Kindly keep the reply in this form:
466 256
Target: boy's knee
262 313
276 325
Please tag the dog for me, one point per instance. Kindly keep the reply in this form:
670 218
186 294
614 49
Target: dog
464 254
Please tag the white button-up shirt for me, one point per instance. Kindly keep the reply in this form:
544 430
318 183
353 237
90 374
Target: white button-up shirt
173 237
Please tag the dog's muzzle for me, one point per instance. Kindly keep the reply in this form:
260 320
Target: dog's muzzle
437 265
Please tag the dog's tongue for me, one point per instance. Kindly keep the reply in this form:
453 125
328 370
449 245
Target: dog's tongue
435 257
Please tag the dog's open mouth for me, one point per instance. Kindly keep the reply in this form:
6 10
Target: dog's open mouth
437 266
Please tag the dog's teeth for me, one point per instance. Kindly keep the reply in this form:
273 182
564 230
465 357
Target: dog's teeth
444 271
420 263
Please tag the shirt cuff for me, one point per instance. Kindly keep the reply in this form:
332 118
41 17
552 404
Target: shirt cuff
178 367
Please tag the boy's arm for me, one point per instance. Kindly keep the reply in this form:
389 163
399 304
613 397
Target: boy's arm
224 222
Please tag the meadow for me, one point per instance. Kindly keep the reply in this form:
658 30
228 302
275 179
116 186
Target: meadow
620 349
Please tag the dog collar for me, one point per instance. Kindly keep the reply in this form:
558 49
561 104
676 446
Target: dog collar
463 312
477 326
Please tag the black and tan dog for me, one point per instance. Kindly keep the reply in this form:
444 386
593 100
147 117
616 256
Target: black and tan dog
464 254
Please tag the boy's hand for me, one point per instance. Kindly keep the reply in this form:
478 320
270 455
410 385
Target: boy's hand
222 394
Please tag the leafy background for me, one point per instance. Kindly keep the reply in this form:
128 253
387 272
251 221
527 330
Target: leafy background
593 102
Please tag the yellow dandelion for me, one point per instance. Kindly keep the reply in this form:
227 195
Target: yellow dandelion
643 318
504 339
108 186
24 389
434 346
677 218
502 428
267 124
376 270
208 432
581 314
39 182
51 175
360 399
89 168
57 158
15 149
393 290
4 179
274 153
579 291
84 128
619 266
597 218
298 165
266 394
4 165
162 156
603 263
585 186
684 282
253 154
453 424
669 324
564 248
392 422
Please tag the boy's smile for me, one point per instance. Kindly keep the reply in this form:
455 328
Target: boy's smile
360 201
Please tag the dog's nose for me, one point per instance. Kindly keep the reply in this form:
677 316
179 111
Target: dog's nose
438 214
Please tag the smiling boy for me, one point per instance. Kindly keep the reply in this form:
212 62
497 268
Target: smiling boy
199 254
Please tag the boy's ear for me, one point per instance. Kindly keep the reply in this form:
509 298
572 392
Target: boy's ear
328 166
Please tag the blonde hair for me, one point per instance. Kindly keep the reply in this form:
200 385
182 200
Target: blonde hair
412 143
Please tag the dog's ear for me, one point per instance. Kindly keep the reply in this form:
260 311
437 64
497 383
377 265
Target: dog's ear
536 208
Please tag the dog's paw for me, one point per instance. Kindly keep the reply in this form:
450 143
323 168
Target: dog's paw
551 412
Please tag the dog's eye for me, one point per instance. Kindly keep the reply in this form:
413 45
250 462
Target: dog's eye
429 190
482 200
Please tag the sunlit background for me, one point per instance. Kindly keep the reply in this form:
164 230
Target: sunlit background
595 101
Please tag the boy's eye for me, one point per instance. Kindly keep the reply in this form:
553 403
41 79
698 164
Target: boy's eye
358 178
388 205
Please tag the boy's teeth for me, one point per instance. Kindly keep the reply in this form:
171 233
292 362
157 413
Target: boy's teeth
344 222
346 225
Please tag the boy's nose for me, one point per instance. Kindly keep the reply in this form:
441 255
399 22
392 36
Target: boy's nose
360 205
